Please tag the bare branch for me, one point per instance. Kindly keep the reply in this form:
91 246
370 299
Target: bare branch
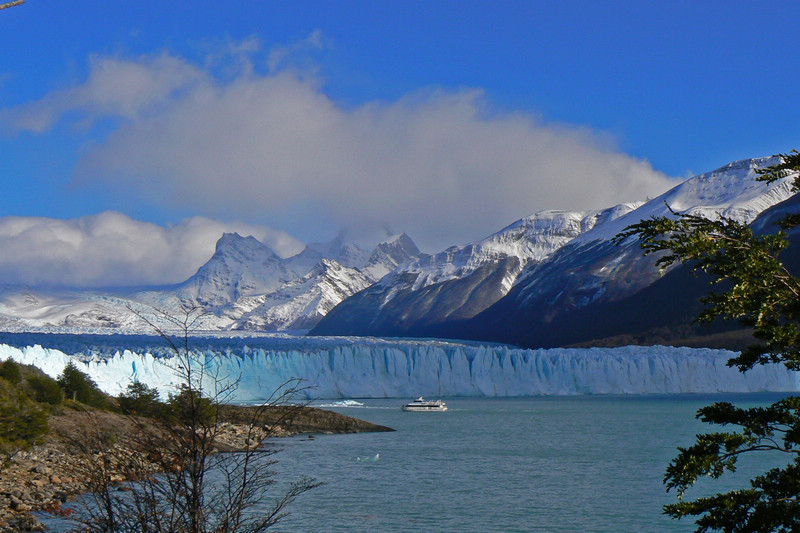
183 482
12 4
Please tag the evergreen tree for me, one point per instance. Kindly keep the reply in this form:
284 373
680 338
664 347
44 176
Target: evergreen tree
139 399
9 371
21 423
763 294
79 386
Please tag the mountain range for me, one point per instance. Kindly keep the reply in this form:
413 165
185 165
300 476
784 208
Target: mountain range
244 286
573 292
552 278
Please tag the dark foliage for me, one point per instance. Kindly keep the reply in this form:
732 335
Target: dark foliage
79 386
756 288
190 408
9 371
23 421
139 399
44 389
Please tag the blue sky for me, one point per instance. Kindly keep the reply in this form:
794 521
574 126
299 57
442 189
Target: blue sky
447 120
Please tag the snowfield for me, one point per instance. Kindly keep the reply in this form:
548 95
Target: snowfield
342 367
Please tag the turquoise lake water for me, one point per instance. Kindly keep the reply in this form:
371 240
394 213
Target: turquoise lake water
545 464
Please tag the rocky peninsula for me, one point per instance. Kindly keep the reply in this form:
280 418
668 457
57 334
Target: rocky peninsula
49 474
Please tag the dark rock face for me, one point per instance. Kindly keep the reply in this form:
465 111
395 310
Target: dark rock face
422 296
417 312
477 307
612 309
576 278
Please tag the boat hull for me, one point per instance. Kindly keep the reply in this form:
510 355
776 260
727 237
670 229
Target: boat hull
419 409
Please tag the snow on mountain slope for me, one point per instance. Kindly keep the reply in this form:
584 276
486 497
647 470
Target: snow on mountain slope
532 238
284 299
534 268
240 267
593 270
389 254
562 261
730 191
40 308
345 253
302 303
244 285
462 281
80 311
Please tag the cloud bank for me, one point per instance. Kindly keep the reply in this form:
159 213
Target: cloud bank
111 249
273 148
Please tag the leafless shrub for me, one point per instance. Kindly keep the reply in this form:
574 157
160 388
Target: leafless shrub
176 474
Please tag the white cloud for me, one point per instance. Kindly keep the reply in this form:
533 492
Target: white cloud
111 249
115 87
438 164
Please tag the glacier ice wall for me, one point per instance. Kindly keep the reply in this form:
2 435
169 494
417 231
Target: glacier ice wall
375 368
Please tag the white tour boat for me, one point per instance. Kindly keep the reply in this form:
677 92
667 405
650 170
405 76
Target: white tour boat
423 405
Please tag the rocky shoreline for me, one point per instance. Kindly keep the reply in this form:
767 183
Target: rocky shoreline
46 476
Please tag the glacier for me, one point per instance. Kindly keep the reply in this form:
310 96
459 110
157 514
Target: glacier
348 367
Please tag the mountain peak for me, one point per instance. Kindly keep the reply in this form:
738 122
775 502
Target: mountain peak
325 265
348 254
732 191
240 266
229 236
746 165
390 254
401 241
236 244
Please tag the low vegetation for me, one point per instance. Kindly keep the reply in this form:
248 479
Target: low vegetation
27 397
64 436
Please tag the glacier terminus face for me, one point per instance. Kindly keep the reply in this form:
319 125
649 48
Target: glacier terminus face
343 367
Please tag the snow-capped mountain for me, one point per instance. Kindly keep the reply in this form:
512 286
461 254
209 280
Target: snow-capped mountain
302 303
532 238
541 266
395 251
540 281
244 285
298 302
730 191
459 282
240 267
597 268
348 254
591 271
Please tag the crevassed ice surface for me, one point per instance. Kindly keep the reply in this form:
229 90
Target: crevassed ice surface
377 368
